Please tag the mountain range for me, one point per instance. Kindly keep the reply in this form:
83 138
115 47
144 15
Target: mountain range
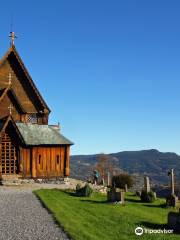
152 163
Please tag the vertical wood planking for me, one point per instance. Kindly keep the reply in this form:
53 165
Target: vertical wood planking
67 169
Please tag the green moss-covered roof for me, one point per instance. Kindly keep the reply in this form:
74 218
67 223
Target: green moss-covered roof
34 134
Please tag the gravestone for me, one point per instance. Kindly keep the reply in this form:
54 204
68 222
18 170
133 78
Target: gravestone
147 195
138 193
171 173
174 221
172 199
126 188
146 184
108 178
116 195
102 181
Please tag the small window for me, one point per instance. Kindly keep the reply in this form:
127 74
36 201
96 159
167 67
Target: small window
32 118
39 159
57 159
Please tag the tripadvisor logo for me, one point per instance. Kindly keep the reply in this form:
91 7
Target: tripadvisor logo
139 231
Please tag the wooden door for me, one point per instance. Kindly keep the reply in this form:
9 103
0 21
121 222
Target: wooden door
9 155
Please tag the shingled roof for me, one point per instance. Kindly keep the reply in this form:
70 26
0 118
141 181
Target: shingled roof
34 134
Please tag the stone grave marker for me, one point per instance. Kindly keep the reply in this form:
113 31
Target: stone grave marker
174 221
147 184
116 195
172 199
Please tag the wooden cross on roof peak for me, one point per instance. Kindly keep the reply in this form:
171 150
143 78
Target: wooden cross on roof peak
10 109
12 36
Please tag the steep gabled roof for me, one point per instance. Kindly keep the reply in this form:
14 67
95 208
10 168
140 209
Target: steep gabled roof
11 93
13 52
4 123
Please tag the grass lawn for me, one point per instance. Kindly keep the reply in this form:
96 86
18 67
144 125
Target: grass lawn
95 219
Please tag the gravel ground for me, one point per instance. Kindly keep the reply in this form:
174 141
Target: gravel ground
23 217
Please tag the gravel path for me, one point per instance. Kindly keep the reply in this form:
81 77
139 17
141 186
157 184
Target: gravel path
23 217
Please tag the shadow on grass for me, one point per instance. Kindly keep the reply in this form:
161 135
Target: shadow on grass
74 194
71 194
94 201
153 225
163 205
133 200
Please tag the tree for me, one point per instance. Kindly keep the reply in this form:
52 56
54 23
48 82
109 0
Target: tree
104 166
121 180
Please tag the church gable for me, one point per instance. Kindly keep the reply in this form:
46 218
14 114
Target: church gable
22 83
9 104
8 125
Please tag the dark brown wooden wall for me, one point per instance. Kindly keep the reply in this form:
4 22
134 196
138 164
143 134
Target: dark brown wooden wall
26 162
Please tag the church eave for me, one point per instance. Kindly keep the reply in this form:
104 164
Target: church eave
4 123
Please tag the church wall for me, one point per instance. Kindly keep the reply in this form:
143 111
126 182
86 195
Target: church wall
26 162
46 162
43 162
67 162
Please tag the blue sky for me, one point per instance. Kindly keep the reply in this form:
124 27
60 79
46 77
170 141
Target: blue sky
109 70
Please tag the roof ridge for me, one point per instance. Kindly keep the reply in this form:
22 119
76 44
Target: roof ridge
5 90
6 55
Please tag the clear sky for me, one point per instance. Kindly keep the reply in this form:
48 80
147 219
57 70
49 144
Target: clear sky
109 70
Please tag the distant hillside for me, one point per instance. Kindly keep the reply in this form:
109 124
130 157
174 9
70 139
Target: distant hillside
153 163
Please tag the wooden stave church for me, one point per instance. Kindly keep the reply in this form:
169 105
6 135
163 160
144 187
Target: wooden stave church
29 147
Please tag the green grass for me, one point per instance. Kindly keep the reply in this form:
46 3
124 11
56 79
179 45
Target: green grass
95 219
